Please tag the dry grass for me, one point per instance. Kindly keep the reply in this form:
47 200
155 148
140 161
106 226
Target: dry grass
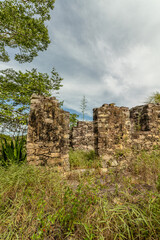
37 203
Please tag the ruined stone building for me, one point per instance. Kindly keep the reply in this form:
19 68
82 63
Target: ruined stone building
48 133
121 127
49 137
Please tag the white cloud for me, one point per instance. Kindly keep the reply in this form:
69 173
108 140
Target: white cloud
107 50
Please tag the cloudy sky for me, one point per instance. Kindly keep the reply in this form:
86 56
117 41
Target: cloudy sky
107 50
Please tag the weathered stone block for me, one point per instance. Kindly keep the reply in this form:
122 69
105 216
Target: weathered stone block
55 155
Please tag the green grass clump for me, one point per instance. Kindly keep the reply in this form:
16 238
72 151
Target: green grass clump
83 159
3 136
158 183
37 203
13 151
146 165
26 195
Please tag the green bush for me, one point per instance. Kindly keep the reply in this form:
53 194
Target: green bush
13 152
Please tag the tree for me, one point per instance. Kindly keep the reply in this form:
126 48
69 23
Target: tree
16 89
73 119
83 105
154 98
22 26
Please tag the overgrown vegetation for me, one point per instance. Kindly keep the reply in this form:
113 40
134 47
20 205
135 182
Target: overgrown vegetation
146 165
38 203
73 119
16 89
24 29
13 151
82 159
154 98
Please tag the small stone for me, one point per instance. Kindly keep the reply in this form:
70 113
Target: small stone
55 155
103 170
114 163
49 120
106 158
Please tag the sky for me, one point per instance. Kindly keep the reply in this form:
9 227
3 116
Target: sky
105 50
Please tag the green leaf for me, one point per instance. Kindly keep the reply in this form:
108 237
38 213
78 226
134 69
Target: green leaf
16 89
13 152
23 27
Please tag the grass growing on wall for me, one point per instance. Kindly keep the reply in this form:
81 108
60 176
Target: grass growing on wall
37 203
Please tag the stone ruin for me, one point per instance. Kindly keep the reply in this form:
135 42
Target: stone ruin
111 128
48 133
49 137
81 136
145 126
119 128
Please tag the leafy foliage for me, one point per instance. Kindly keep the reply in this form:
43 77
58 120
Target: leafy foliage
13 152
16 89
23 26
154 98
23 29
73 119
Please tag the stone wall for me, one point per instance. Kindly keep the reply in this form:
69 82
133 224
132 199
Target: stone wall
81 136
48 133
112 129
119 128
145 126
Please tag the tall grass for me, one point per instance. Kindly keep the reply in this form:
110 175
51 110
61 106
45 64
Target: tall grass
83 159
12 151
37 203
146 165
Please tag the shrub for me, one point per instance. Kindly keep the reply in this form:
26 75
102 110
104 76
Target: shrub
13 151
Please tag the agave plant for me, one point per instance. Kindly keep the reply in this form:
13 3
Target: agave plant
13 152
